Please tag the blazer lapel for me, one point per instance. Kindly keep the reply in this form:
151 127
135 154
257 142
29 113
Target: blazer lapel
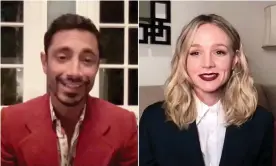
185 145
195 143
40 146
93 147
235 145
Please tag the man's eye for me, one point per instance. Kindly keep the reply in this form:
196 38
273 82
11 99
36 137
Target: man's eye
88 60
62 57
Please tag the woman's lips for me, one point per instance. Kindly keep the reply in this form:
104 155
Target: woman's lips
209 76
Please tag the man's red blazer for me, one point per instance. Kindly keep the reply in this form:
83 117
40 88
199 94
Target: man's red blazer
108 135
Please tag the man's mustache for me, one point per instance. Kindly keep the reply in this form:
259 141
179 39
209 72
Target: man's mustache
73 79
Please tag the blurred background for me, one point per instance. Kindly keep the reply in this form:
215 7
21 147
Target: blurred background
255 21
23 24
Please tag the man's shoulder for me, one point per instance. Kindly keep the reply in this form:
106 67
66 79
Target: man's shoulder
27 104
120 125
21 110
108 107
111 112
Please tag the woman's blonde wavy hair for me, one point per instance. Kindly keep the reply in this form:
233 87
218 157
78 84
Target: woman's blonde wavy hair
239 98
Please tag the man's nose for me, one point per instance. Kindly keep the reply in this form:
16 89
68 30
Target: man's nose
74 70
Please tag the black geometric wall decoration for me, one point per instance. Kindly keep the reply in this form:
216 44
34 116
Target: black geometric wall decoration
155 29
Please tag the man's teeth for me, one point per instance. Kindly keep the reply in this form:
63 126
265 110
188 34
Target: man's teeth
73 85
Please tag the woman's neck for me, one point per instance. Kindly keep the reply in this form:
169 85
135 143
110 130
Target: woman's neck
208 98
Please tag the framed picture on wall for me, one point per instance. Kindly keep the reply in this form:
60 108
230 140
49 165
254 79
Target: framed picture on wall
154 22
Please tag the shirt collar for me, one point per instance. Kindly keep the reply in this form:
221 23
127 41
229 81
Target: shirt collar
54 117
202 108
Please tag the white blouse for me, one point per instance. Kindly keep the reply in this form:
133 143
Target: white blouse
211 127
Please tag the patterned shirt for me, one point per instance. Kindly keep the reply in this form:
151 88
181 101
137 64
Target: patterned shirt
66 155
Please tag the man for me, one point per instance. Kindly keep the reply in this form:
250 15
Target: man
66 126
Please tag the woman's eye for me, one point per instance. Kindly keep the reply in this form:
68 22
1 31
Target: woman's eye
220 52
194 53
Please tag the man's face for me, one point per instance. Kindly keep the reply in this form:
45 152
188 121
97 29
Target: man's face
71 65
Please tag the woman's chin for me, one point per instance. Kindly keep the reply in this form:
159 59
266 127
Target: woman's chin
208 89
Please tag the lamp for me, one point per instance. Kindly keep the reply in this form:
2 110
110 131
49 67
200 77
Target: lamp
270 27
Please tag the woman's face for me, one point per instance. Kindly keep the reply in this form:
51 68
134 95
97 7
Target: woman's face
210 59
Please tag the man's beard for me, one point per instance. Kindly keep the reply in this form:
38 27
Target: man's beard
73 102
70 104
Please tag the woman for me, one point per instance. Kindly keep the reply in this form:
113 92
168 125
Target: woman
210 115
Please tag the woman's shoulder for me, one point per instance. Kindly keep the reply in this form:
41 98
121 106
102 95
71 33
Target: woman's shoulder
263 116
154 111
263 113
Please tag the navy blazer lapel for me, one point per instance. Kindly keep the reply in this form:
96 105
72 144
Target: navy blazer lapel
235 145
195 143
181 147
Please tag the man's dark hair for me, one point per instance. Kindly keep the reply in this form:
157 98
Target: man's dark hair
69 22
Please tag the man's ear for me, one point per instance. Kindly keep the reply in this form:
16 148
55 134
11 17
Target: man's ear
43 58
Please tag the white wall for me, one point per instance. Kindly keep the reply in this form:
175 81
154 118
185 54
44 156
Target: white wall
154 64
246 17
